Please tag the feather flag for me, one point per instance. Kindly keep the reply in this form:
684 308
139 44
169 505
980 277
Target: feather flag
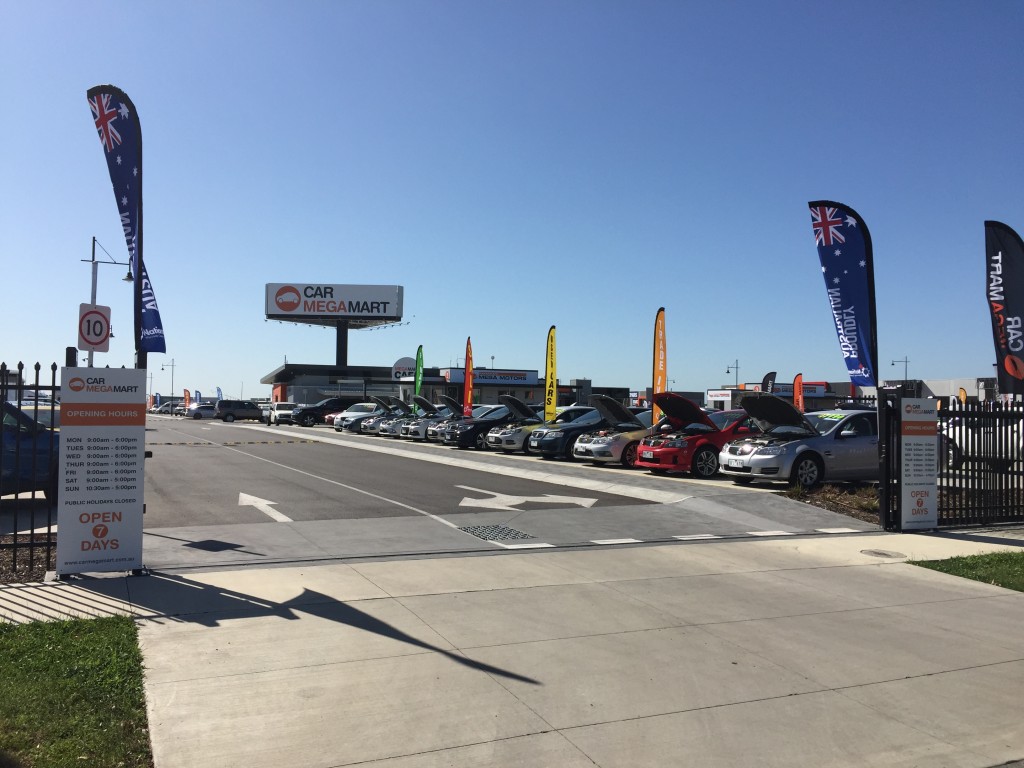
419 368
798 392
768 382
660 362
467 392
847 264
120 134
1004 256
550 379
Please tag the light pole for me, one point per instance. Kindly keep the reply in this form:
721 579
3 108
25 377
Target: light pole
171 366
905 362
735 367
492 362
95 271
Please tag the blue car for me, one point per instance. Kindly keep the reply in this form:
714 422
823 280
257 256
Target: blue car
29 460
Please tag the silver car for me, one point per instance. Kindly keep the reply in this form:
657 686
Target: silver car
803 449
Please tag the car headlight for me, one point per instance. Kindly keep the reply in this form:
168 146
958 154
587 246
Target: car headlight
770 450
679 443
555 433
604 440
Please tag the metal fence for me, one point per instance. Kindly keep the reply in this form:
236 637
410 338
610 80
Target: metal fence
980 465
28 480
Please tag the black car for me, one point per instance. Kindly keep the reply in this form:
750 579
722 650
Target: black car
558 439
472 433
307 415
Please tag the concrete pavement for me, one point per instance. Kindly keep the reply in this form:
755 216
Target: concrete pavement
796 651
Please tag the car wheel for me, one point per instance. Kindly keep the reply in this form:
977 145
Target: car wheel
308 420
568 452
197 415
229 417
481 442
808 471
704 463
526 446
629 455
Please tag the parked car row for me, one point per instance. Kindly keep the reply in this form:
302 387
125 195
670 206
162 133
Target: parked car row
765 440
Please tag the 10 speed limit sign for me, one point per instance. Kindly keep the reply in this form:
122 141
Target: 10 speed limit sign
93 328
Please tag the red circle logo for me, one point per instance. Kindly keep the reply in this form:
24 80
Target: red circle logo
99 530
76 385
1014 366
287 298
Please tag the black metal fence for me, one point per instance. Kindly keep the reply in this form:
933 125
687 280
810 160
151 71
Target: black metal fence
980 463
28 472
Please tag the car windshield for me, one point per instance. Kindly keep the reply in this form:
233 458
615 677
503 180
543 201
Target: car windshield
571 415
825 422
725 419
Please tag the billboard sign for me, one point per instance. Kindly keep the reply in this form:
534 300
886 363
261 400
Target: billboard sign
327 303
920 454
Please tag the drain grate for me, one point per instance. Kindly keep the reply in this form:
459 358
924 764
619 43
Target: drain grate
495 532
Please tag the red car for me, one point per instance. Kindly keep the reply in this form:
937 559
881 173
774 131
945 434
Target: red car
695 447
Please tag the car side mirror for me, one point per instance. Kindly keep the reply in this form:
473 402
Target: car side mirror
845 435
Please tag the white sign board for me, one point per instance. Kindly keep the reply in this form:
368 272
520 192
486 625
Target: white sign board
919 467
102 453
93 328
327 301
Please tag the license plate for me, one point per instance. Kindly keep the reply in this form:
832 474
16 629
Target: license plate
534 443
646 454
735 463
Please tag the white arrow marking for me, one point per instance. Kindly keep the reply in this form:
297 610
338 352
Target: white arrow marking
508 502
264 506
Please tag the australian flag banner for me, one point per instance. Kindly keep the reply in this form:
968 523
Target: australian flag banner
120 132
844 248
1004 257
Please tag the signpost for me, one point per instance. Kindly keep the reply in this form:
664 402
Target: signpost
93 328
102 454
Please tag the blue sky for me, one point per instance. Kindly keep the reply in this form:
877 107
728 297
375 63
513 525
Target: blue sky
516 165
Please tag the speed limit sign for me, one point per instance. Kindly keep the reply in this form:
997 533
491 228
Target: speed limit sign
93 328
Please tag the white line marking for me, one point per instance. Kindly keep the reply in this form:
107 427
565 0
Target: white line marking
770 533
629 491
697 536
520 546
837 530
615 541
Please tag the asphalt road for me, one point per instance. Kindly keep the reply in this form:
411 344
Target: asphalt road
244 493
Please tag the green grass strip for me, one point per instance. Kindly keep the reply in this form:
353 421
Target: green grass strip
1004 569
71 694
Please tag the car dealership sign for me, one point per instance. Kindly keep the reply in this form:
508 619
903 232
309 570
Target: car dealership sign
102 448
327 303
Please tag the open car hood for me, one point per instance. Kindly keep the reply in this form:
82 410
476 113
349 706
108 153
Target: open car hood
380 401
771 411
682 411
613 411
520 410
425 405
453 405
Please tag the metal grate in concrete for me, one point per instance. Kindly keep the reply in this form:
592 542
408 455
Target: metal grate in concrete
495 532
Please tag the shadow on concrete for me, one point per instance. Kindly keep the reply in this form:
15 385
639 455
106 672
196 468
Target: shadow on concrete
161 595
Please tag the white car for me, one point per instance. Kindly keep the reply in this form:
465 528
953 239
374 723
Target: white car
167 408
359 409
280 413
620 441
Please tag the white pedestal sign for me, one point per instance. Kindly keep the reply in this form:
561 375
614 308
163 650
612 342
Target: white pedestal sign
102 456
920 451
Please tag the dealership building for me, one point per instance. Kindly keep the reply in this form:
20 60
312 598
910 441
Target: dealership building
355 307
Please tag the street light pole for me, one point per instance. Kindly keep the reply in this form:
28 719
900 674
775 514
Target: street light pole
171 366
95 273
734 367
905 362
